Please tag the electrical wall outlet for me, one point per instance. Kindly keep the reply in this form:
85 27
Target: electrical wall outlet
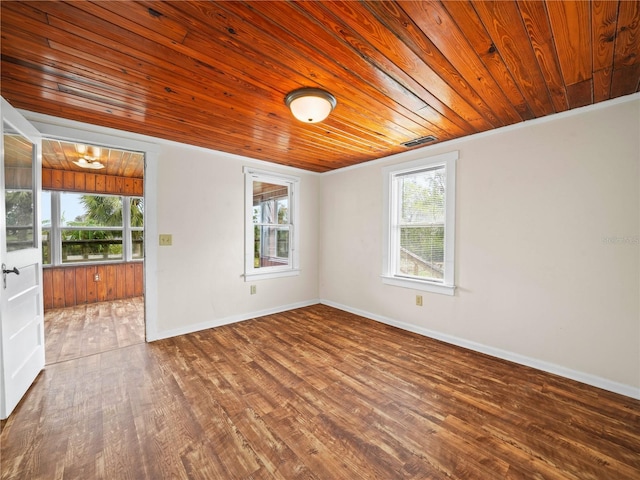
96 277
419 300
253 290
166 239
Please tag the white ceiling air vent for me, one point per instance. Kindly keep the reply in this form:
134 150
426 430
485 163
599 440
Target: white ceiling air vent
419 141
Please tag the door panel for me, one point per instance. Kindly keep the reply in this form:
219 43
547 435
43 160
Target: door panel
21 309
18 283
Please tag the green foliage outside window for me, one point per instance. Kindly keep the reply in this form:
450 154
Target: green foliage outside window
19 219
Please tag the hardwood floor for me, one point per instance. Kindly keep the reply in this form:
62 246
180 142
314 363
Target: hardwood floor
84 330
314 393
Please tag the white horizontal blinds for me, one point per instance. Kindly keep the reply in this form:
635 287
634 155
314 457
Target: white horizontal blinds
421 223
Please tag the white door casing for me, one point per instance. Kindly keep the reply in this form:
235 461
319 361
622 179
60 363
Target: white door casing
21 299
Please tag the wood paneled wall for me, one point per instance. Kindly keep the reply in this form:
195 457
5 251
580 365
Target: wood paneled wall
68 181
90 182
76 285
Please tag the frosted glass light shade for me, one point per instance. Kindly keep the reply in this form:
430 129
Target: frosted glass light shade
310 105
83 163
89 157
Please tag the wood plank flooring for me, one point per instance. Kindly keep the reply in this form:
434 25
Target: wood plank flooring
84 330
314 393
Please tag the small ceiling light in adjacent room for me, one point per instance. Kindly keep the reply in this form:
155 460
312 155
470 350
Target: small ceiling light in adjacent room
90 157
84 163
310 105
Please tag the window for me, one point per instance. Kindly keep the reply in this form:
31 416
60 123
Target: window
19 218
136 223
46 227
271 247
419 221
19 193
87 228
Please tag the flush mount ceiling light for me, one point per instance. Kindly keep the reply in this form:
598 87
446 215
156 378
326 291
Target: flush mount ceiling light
90 157
86 163
310 105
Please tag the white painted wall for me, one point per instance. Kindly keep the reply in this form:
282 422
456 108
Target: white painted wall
201 203
547 246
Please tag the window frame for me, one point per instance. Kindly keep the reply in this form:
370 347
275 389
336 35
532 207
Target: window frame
251 273
56 228
391 227
129 229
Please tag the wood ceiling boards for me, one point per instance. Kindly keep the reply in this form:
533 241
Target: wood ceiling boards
61 155
215 74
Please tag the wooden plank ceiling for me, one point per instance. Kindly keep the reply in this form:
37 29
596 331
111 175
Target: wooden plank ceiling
61 155
215 74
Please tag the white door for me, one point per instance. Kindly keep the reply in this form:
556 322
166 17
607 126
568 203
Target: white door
21 309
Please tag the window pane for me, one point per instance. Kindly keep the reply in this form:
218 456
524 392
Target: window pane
271 246
271 224
46 227
257 243
19 190
137 212
257 214
422 197
46 246
272 200
282 240
90 210
282 208
91 245
422 252
19 213
46 208
268 211
137 244
421 218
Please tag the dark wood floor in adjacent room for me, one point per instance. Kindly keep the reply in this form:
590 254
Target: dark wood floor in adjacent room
314 393
85 330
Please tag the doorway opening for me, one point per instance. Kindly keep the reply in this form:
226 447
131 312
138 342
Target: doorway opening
92 248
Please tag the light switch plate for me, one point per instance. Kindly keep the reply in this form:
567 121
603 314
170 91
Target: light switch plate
166 239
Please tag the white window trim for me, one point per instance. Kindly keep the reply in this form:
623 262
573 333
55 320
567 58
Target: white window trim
264 273
447 286
127 248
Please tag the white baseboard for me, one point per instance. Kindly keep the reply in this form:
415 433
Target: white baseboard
227 320
582 377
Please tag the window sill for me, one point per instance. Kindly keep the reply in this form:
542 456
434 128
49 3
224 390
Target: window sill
419 285
92 264
252 277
